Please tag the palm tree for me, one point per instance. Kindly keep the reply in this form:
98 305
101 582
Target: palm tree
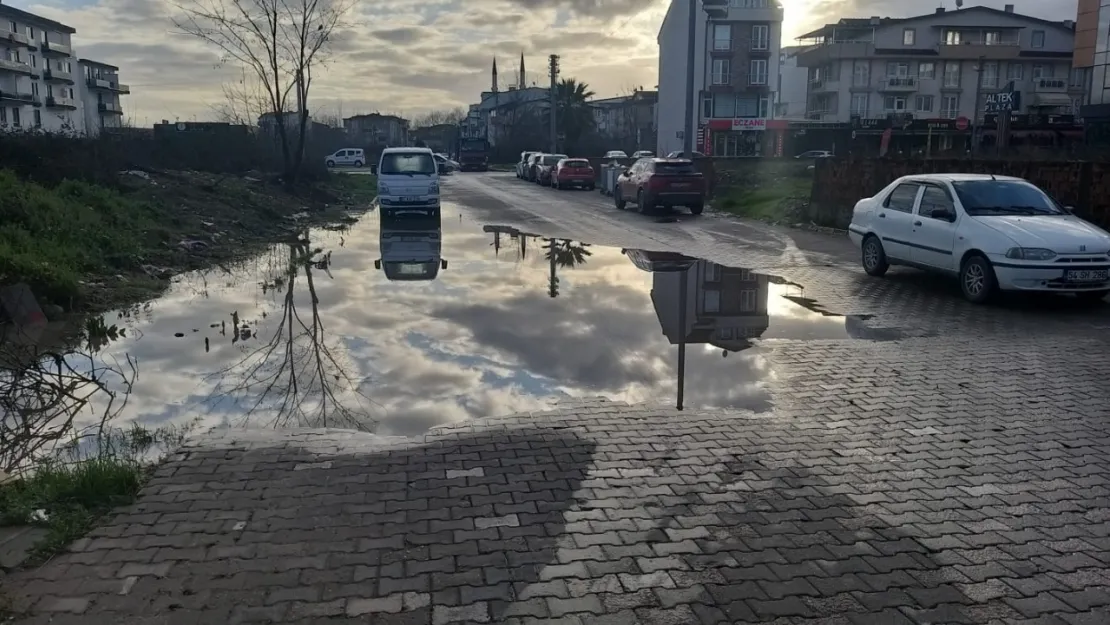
566 254
575 117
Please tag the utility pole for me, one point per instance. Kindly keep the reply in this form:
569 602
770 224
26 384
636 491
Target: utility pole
691 49
976 131
553 69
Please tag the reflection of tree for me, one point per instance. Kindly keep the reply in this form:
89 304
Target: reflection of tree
43 392
297 378
566 254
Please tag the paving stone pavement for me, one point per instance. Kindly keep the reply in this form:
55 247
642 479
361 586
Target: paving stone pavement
606 513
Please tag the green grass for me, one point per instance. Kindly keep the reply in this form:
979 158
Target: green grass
358 189
81 482
765 203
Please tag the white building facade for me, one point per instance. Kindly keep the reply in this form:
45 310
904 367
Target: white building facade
101 96
793 91
736 76
944 65
43 87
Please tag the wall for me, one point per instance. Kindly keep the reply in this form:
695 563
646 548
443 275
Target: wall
793 85
839 184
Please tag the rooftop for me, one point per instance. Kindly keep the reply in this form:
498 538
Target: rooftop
871 22
98 64
10 11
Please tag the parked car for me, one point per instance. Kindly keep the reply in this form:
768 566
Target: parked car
666 182
611 154
408 183
355 157
445 164
682 154
812 154
522 164
643 154
992 232
573 172
546 165
531 166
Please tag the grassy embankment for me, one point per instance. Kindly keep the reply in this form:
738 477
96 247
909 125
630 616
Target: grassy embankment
87 247
777 200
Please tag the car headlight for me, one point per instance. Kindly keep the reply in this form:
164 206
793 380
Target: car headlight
433 188
1030 253
383 189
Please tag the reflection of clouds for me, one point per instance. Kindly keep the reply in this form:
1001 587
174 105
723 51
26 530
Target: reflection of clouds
482 339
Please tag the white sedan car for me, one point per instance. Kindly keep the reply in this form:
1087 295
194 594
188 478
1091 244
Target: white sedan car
992 232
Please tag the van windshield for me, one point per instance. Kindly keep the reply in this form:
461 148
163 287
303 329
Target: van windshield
407 163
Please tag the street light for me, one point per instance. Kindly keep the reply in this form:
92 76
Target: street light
713 9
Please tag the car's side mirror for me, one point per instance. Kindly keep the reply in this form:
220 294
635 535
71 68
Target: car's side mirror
1070 209
943 214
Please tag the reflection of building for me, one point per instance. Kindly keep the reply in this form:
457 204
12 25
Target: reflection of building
411 249
725 306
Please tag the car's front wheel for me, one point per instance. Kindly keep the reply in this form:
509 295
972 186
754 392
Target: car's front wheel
874 257
358 163
977 280
697 209
642 202
330 163
618 198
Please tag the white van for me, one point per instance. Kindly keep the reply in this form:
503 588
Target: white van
346 156
408 183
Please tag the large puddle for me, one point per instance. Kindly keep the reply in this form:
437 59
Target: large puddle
397 329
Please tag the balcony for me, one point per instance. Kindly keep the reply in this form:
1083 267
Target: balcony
823 85
1050 85
16 40
58 102
13 96
57 75
898 84
987 51
108 84
110 108
18 67
53 47
824 53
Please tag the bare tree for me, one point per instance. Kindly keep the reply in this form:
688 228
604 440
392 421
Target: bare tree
280 42
244 102
435 118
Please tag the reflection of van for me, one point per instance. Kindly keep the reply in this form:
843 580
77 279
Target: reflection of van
411 249
408 183
346 156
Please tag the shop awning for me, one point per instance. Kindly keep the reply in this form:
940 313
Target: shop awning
1051 99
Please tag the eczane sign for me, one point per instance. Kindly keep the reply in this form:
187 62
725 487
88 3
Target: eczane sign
749 123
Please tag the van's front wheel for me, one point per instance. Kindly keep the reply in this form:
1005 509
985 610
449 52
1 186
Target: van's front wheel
358 163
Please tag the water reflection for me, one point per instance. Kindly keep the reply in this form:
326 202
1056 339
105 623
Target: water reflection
411 248
298 374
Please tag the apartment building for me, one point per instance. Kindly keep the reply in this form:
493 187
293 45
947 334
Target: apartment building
42 84
100 96
1092 57
954 69
389 130
736 75
791 98
628 120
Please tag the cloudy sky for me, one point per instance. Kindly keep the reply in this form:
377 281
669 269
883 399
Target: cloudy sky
410 56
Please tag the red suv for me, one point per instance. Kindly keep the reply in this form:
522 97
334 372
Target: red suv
666 182
573 172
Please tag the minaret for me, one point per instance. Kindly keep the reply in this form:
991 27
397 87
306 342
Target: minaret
523 84
494 74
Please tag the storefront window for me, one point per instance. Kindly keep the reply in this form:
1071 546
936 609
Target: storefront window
738 143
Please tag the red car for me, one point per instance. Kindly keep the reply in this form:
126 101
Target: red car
573 172
666 182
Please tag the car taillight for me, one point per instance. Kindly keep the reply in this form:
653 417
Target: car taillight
654 183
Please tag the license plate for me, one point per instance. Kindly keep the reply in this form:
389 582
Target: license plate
680 185
411 270
1087 275
410 198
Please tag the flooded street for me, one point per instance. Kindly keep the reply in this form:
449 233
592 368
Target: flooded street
399 329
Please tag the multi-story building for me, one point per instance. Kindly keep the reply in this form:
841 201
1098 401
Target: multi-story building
389 130
100 96
736 69
1092 56
792 93
628 121
959 68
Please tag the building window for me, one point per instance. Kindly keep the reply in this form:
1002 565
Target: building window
927 69
909 37
711 301
721 72
952 74
1040 72
861 74
1078 77
1015 71
761 37
35 89
712 272
3 116
952 37
707 107
924 103
758 75
992 38
950 106
859 104
15 117
38 119
34 60
894 103
724 105
749 4
722 37
989 73
748 299
31 33
1038 39
897 70
764 107
13 28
